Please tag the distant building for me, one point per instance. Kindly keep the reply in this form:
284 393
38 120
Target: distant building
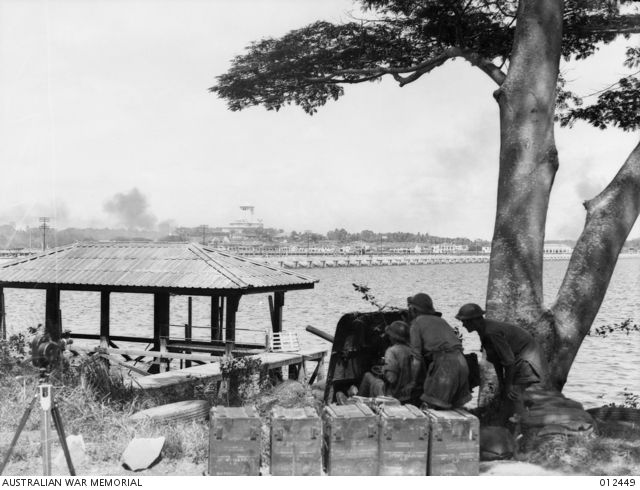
247 228
401 250
448 248
247 221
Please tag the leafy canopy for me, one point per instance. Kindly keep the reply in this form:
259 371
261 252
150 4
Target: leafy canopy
406 39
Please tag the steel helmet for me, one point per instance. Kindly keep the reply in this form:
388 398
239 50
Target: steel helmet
469 311
422 302
398 331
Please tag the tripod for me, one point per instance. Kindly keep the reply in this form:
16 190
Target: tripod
44 393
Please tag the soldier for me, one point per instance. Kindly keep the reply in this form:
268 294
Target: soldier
514 353
396 372
435 345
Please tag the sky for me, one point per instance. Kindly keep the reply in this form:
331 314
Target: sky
105 104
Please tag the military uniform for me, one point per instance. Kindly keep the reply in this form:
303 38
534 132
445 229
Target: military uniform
446 384
509 345
397 359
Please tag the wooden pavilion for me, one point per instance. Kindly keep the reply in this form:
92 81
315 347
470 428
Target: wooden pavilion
162 270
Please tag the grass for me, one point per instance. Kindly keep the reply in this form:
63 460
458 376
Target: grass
587 454
95 403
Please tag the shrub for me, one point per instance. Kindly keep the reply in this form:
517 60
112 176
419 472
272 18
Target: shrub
244 377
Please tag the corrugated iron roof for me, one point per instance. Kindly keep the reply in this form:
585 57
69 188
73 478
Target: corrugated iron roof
148 265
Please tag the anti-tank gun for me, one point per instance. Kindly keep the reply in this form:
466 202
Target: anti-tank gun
358 346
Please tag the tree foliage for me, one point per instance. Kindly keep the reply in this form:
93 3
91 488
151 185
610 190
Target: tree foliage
617 105
406 39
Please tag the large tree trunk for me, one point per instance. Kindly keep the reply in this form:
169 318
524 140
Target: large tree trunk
528 163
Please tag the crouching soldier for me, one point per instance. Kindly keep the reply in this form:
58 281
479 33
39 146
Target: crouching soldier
514 353
396 371
436 346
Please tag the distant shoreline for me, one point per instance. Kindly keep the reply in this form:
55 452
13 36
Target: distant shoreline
316 260
303 261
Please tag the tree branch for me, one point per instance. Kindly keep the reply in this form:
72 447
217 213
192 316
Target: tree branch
603 90
333 79
627 24
415 71
378 71
418 73
610 217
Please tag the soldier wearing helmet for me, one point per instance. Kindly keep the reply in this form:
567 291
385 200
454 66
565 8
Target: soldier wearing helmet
435 345
396 372
514 353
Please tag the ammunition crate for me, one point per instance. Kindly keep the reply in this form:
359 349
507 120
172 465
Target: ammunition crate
403 441
234 441
350 440
454 445
296 442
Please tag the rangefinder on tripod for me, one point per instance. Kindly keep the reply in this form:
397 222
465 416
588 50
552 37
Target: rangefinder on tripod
45 355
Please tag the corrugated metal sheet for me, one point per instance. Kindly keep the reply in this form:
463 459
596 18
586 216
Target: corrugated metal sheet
148 265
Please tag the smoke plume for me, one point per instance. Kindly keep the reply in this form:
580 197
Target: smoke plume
131 210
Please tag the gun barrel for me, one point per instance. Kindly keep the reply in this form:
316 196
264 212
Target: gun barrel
320 333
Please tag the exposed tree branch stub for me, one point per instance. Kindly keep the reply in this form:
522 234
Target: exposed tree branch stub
490 69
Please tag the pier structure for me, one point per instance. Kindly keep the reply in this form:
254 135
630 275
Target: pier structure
369 260
163 271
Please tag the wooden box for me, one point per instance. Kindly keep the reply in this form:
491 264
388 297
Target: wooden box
350 440
296 442
234 441
454 443
403 441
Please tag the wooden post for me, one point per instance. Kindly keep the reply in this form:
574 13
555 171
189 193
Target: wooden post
302 372
221 316
188 329
321 368
160 322
164 363
294 371
52 323
105 309
216 318
276 318
230 327
3 318
272 314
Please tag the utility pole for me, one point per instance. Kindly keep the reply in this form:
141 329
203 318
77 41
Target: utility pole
44 227
204 233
